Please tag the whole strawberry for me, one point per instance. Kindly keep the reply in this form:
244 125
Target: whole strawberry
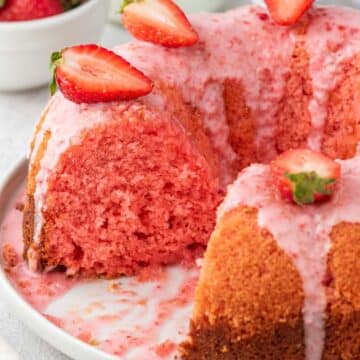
22 10
304 176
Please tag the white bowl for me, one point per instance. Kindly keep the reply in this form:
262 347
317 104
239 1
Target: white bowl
26 46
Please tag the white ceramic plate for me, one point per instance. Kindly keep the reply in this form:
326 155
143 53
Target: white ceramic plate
127 317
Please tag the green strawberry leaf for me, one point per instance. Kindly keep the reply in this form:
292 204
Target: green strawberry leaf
2 3
307 184
54 62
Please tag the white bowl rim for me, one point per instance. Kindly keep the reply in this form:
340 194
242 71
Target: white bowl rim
51 20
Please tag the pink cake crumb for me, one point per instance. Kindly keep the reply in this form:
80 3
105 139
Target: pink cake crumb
55 320
135 195
165 349
10 256
86 336
121 341
151 274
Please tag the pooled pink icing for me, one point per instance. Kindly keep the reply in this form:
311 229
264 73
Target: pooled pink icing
137 321
302 232
127 317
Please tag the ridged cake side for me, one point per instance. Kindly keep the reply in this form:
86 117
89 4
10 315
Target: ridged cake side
342 128
343 294
322 242
242 308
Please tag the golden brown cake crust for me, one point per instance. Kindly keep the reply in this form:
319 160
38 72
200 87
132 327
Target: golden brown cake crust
342 129
343 294
28 223
219 316
250 292
272 345
241 124
38 127
29 206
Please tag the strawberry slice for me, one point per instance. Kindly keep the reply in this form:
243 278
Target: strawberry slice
91 74
287 12
304 176
158 21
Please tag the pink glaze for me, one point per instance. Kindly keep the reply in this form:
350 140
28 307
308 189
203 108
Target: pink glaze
302 232
333 37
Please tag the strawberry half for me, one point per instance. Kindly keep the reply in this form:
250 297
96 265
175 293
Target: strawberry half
91 74
158 21
287 12
304 176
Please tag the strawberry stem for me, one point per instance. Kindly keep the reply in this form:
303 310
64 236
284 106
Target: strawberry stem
307 184
54 62
126 3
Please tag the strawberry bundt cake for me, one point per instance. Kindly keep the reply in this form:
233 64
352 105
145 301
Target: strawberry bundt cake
117 187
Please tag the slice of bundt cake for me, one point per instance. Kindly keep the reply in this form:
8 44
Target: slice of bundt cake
280 281
115 188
